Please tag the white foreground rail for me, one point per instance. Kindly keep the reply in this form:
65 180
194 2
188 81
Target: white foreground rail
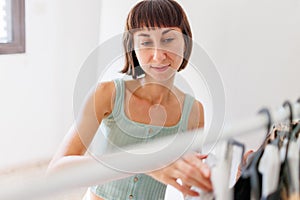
134 160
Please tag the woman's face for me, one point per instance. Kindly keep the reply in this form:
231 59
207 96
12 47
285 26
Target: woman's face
159 51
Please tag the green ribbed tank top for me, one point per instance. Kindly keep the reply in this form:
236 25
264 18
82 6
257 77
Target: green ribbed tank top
118 131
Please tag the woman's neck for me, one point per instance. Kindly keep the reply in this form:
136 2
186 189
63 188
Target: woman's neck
156 92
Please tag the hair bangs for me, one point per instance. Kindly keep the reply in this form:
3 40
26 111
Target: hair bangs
155 13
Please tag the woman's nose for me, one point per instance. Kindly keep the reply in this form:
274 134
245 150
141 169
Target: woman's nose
159 54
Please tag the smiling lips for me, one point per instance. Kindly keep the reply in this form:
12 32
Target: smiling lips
160 68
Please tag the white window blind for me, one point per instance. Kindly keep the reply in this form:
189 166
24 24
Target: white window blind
5 21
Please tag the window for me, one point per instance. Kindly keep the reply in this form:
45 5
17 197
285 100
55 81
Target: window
12 26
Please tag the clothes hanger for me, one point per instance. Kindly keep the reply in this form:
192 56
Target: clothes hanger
269 126
270 165
250 171
296 129
283 169
292 158
288 104
267 112
220 174
295 132
286 180
280 135
231 143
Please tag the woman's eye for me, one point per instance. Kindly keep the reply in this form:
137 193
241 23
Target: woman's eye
146 43
168 40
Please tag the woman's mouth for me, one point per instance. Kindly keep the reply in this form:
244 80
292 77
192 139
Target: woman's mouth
160 68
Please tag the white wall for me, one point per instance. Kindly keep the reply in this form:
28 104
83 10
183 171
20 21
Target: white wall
255 46
36 87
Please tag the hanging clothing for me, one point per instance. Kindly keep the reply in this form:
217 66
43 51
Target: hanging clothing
270 178
273 171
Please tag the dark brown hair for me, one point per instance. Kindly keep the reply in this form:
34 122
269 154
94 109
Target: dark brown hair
154 13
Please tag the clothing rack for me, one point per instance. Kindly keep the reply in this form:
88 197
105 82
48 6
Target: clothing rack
94 172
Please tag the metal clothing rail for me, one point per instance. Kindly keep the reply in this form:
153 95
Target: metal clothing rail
133 160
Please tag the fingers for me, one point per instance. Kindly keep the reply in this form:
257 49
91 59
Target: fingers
192 172
246 155
194 154
196 160
203 184
187 187
244 162
169 175
201 156
184 189
192 175
205 170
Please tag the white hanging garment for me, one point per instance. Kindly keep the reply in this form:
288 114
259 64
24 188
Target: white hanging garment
220 174
269 167
283 150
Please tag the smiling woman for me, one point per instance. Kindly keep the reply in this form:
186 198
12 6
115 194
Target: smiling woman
157 42
12 26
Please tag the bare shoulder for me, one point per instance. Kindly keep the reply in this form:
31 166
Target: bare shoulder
196 119
179 94
105 87
104 98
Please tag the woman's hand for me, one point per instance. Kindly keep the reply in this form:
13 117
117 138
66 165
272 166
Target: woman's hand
244 162
190 170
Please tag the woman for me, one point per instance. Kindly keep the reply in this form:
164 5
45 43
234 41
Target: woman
158 44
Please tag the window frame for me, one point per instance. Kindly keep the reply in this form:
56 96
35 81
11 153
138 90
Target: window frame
17 45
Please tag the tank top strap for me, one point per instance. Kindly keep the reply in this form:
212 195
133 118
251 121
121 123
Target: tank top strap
119 98
187 107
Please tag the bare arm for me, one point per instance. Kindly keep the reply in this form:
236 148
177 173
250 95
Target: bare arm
97 106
